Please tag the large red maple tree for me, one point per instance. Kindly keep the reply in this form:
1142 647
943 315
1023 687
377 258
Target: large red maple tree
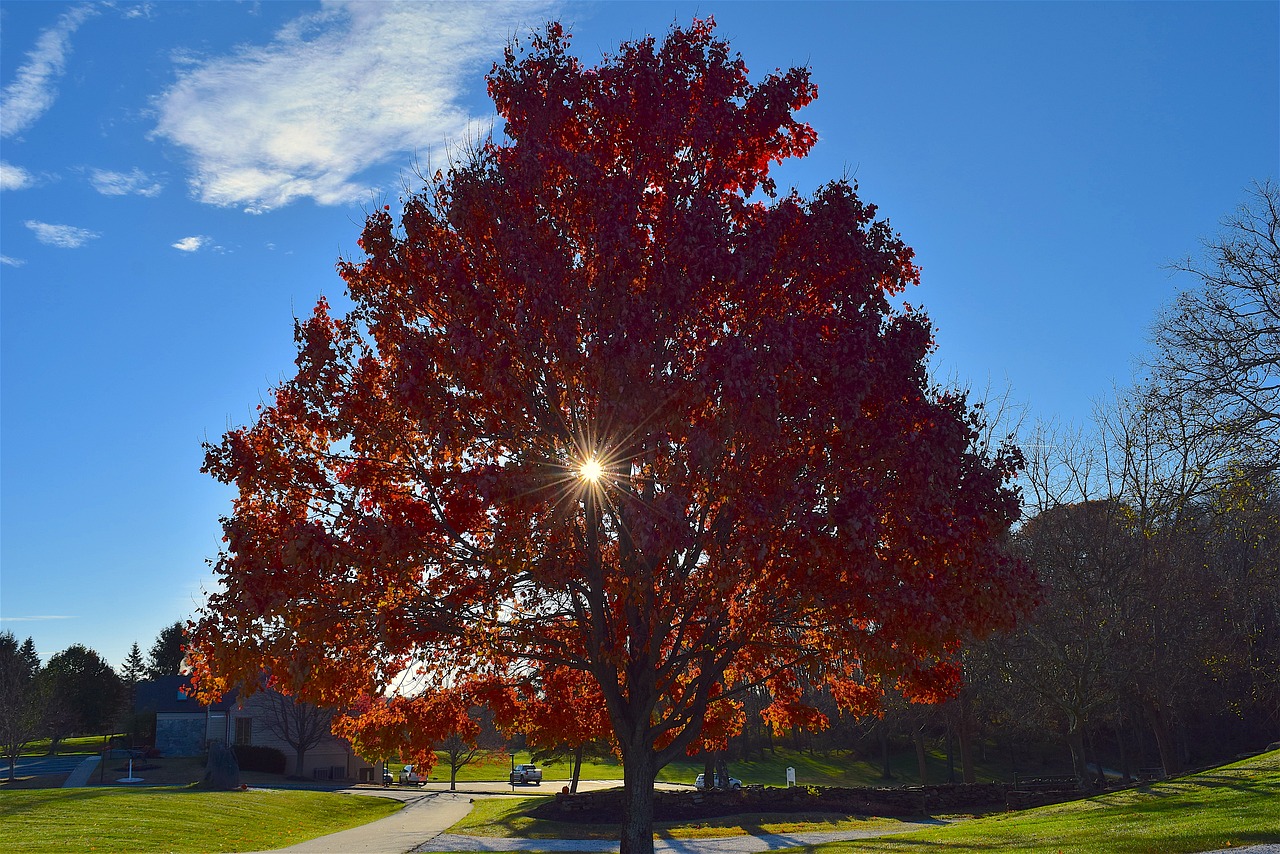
608 401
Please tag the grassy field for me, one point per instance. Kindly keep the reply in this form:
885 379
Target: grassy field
770 770
150 820
77 744
1235 805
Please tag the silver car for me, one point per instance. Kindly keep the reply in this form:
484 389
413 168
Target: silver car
410 777
701 783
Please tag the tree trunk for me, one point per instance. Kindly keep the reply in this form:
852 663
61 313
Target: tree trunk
299 754
1165 742
951 756
638 774
1075 741
577 770
918 738
967 772
1100 776
453 777
1126 770
886 773
965 730
708 770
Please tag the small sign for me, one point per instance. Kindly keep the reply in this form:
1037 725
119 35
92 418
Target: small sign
791 777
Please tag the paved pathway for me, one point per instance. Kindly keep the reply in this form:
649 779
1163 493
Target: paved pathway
41 766
80 776
424 816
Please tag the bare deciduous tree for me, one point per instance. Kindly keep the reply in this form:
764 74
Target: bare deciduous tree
1217 347
21 700
299 724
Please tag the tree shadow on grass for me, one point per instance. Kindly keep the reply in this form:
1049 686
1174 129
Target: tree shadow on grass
19 805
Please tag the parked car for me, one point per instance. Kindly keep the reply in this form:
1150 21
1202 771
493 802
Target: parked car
410 777
526 774
701 783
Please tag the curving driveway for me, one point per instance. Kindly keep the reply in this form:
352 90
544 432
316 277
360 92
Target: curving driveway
39 766
421 826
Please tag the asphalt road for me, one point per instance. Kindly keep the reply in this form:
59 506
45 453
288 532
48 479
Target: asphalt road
39 766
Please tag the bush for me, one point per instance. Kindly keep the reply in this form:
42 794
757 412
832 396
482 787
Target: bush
253 758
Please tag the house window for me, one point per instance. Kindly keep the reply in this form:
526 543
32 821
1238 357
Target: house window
244 730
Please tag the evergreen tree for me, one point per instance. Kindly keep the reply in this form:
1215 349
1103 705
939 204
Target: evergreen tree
135 669
27 654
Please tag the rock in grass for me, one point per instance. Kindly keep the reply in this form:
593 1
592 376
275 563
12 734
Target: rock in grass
222 773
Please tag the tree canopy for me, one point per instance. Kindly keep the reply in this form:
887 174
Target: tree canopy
168 652
86 688
607 401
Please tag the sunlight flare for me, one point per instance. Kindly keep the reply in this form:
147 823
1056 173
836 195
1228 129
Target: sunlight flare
591 470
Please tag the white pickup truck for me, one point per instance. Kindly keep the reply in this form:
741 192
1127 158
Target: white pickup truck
526 774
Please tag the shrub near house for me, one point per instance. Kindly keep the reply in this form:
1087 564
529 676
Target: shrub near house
268 760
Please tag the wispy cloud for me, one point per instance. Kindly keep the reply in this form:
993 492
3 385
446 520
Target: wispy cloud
62 236
33 619
136 183
14 177
32 91
135 10
336 92
191 244
11 262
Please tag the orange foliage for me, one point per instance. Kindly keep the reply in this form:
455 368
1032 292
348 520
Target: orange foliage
783 498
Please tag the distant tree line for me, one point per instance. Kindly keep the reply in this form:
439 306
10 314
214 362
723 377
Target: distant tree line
76 693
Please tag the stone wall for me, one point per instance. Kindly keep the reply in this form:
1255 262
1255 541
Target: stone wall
606 805
179 735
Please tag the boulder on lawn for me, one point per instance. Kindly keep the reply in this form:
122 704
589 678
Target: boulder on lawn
222 773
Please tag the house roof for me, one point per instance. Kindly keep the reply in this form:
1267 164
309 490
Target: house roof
166 695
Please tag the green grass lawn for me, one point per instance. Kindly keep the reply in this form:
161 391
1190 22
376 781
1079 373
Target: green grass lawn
771 770
77 744
176 819
1237 804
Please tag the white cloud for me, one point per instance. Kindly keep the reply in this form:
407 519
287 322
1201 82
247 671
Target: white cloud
32 90
62 236
136 182
33 619
191 244
14 177
135 10
11 262
353 86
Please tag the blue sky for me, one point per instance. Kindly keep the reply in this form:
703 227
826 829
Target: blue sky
178 180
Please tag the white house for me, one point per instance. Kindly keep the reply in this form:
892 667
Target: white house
184 727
